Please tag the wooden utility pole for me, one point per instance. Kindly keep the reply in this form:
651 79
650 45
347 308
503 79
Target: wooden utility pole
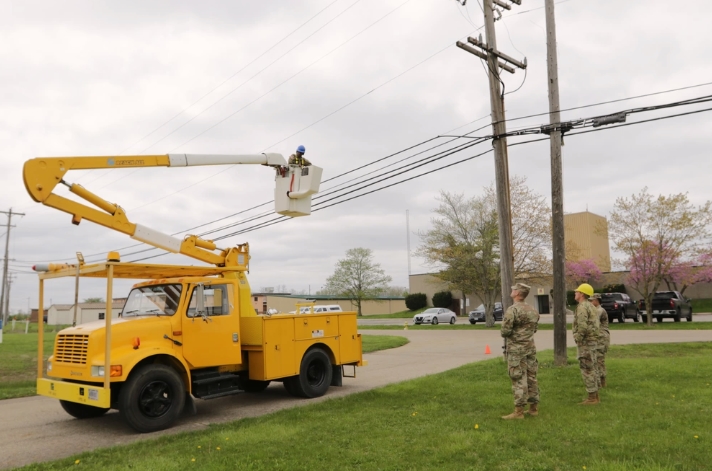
557 190
4 297
499 128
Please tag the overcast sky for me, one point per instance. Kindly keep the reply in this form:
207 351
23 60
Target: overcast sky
137 77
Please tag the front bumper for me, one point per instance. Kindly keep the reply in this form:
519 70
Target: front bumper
89 394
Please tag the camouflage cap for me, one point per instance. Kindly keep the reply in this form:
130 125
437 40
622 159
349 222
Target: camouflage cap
596 296
521 287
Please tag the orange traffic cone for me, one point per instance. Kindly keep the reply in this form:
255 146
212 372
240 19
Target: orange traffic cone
487 350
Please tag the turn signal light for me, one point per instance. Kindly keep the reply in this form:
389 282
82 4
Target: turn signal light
136 343
116 371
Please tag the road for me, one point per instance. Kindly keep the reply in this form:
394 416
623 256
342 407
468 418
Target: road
545 319
36 429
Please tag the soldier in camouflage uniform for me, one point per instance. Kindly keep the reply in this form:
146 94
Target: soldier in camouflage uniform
518 327
586 327
604 340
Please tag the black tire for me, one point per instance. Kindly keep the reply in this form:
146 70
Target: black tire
314 376
637 316
453 320
152 398
434 321
689 316
621 317
82 411
252 385
610 319
678 315
659 318
473 322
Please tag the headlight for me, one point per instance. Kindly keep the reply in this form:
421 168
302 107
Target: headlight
97 371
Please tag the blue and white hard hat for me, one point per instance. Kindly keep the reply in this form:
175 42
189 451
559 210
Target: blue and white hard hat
301 149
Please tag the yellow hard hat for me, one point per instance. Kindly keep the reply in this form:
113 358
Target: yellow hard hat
586 289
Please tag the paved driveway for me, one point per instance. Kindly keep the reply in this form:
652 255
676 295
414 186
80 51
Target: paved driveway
545 319
36 429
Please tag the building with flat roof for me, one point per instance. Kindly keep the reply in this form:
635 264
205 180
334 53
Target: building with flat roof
586 237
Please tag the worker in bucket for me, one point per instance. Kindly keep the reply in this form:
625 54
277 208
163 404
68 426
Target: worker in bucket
298 158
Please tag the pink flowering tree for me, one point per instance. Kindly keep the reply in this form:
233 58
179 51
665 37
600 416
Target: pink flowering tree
582 271
683 274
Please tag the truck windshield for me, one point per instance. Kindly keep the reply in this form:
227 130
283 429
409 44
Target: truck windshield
155 300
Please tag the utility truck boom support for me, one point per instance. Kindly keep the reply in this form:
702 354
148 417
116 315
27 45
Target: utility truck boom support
185 331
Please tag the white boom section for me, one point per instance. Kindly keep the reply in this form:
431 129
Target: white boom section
190 160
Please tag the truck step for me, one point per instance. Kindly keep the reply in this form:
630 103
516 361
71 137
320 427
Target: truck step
208 386
229 392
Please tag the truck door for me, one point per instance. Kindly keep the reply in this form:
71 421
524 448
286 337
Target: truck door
211 329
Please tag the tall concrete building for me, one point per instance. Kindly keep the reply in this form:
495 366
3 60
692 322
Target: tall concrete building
586 236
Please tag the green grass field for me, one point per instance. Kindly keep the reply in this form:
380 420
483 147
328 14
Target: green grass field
18 359
654 416
701 305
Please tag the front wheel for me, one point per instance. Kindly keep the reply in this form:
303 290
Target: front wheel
473 322
689 316
314 376
82 411
435 321
152 398
452 321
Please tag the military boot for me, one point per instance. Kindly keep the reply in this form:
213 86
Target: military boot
592 399
533 410
603 381
517 414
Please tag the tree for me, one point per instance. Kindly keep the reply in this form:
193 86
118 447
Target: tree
357 277
582 271
442 299
94 300
687 273
464 241
656 234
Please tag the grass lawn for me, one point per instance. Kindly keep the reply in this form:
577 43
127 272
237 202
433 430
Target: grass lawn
396 315
701 305
613 326
654 416
18 362
373 343
18 359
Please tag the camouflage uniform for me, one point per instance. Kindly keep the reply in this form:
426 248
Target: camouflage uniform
586 333
518 327
603 342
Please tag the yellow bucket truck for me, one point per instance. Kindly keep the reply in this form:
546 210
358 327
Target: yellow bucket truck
184 331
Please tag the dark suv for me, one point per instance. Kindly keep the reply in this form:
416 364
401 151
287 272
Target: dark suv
478 315
620 307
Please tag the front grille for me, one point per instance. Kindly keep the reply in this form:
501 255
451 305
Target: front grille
70 348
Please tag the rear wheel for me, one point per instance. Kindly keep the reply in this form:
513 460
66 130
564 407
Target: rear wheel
152 398
82 411
435 321
678 316
314 376
637 316
452 320
659 318
621 317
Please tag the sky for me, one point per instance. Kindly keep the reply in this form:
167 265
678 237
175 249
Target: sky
353 81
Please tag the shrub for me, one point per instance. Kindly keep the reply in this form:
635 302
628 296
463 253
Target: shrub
442 299
416 301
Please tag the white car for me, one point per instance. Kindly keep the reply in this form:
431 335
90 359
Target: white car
434 316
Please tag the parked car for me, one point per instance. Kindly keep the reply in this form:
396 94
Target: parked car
434 316
668 304
478 315
620 307
319 308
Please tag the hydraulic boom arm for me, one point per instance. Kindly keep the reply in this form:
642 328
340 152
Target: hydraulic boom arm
43 174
